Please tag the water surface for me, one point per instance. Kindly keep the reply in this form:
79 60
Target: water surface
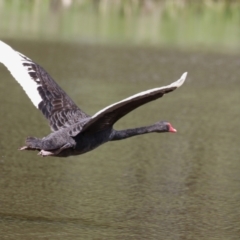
157 186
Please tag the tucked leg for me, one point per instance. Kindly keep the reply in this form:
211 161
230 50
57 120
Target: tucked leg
45 153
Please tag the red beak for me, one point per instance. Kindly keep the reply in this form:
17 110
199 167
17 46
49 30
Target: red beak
171 128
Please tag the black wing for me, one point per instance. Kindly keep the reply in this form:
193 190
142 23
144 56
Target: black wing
42 90
106 117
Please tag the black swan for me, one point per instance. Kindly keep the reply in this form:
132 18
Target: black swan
73 131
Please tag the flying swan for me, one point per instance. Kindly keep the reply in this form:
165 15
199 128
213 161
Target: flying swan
73 131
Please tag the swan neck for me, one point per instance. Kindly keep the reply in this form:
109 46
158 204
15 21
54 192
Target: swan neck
123 134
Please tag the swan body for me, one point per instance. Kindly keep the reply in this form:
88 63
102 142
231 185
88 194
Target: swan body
73 131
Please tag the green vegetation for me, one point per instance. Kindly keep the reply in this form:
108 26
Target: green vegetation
170 23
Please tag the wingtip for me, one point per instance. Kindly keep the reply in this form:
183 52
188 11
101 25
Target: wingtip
3 44
5 52
182 79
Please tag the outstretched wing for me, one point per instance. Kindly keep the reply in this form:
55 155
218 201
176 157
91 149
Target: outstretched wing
42 90
108 116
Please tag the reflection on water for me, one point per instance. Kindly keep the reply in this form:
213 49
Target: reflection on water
202 24
158 186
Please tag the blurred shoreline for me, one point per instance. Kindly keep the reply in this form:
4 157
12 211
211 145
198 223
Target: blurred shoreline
185 24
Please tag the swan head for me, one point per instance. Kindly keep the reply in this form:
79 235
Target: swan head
164 126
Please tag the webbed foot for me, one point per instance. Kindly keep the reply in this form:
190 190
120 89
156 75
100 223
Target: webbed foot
27 148
45 153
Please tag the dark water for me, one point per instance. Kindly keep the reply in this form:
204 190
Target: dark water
157 186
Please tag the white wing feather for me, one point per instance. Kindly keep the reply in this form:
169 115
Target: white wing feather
177 84
112 113
14 63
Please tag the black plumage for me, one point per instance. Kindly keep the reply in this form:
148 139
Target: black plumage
73 131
